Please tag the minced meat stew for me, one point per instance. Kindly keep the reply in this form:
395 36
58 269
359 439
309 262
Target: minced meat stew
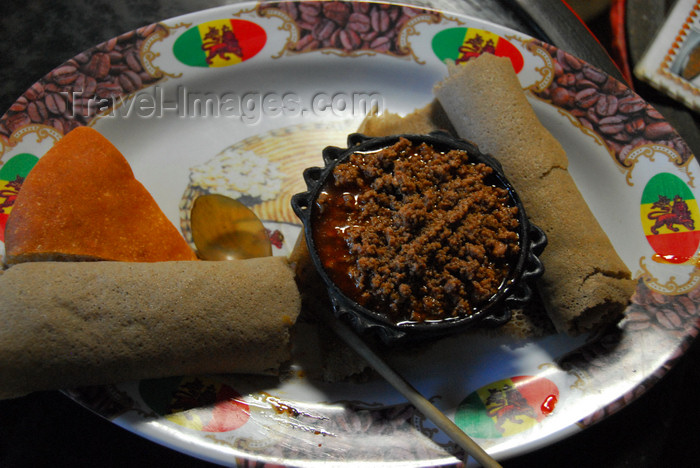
414 233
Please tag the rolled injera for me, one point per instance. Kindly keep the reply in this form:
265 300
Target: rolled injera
585 284
70 324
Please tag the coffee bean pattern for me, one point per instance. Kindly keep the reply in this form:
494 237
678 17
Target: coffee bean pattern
601 103
624 121
651 318
652 310
637 391
348 27
70 95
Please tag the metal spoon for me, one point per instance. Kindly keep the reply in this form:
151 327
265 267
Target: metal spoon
225 229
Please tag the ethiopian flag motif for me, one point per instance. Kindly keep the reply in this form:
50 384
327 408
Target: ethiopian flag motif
463 44
219 43
670 218
507 407
12 175
196 403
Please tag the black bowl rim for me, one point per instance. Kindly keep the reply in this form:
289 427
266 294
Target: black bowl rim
515 292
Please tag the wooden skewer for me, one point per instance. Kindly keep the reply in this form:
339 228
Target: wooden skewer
409 392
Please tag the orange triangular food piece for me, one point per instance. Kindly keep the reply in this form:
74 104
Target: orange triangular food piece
82 202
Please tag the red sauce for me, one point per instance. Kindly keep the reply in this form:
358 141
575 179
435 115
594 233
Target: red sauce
548 404
414 233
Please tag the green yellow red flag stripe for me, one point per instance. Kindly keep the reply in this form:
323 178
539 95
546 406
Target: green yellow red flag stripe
462 44
507 407
12 174
670 218
219 43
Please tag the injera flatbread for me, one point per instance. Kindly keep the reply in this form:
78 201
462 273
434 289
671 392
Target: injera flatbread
82 202
69 324
585 284
339 361
421 121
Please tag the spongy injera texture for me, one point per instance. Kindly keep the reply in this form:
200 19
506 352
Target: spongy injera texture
72 324
585 282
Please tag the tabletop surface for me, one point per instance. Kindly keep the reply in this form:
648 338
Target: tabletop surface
49 429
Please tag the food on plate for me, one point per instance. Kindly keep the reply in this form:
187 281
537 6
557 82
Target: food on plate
427 119
68 324
338 361
421 121
585 284
529 321
82 202
416 233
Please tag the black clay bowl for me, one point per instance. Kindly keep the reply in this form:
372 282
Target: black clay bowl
513 292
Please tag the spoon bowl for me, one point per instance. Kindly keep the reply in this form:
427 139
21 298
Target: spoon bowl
226 229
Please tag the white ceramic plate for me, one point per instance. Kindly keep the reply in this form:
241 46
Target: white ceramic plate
286 81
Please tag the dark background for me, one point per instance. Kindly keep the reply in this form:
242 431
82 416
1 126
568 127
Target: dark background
49 429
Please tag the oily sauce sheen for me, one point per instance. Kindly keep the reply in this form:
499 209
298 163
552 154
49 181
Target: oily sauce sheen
415 234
